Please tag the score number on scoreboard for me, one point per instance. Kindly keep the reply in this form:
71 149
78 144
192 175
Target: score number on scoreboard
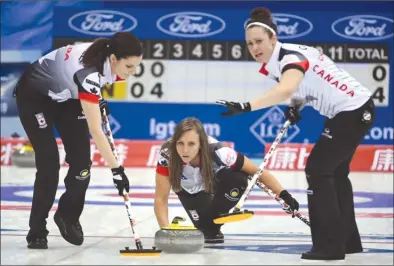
203 71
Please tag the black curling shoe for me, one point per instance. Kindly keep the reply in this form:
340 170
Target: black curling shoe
318 255
214 239
70 231
38 243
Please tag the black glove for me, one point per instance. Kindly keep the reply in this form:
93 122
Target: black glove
293 114
103 104
292 203
121 181
234 108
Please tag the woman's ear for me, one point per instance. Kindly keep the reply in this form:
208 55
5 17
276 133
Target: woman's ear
112 59
274 39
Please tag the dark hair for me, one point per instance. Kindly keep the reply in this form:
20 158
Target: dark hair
175 164
263 15
121 44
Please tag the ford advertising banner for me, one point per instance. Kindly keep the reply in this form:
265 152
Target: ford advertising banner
222 24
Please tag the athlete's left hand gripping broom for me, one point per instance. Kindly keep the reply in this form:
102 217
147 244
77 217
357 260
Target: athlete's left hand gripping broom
140 251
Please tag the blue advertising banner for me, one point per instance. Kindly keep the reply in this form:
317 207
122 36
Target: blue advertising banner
223 24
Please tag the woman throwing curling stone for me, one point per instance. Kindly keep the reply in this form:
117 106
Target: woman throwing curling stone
63 89
208 177
304 72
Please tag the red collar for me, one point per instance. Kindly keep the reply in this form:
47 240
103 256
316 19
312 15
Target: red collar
118 78
263 70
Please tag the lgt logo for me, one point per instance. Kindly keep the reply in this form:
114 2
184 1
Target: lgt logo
267 128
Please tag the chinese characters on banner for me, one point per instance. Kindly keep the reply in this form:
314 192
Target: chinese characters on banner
368 158
131 153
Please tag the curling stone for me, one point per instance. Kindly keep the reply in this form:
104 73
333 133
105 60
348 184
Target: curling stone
24 156
179 239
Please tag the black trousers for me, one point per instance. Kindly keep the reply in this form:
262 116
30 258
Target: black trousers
203 207
39 116
330 193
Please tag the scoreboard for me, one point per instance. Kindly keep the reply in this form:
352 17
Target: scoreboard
198 71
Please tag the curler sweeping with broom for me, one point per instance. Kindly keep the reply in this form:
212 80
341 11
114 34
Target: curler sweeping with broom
303 71
208 178
63 89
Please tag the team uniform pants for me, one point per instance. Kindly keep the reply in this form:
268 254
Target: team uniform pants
203 207
39 116
330 193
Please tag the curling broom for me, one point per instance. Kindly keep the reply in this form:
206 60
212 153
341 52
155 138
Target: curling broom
140 251
285 207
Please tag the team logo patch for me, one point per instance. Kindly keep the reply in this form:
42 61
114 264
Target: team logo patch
326 133
234 192
82 116
194 215
367 117
41 120
163 162
93 90
233 195
83 174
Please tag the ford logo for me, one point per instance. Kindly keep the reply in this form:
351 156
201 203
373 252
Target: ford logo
363 27
190 24
102 22
290 26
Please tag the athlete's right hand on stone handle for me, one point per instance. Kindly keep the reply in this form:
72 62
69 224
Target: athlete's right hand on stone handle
120 179
234 108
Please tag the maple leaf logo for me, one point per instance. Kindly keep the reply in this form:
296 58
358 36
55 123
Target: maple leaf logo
93 90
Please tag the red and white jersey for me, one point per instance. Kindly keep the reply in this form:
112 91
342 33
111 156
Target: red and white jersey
333 89
61 76
191 179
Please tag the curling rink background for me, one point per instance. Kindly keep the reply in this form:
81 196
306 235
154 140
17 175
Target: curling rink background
270 237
